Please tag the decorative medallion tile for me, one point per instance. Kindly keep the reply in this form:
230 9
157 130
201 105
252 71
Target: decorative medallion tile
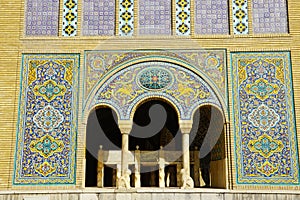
210 63
124 89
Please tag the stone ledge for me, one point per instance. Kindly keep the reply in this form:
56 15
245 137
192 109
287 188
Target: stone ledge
148 190
148 196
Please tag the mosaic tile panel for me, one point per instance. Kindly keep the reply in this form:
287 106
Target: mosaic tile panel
47 121
269 16
69 18
211 17
155 17
183 17
41 17
210 63
265 135
98 17
126 17
240 17
124 89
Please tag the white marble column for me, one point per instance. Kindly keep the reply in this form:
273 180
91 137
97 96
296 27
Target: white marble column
185 127
125 128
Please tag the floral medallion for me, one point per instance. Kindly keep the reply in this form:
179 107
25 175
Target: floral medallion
48 118
155 78
263 117
49 90
262 89
46 146
265 145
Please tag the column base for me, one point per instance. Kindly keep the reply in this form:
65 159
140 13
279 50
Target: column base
187 181
124 180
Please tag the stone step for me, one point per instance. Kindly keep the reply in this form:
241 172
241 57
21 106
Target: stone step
149 194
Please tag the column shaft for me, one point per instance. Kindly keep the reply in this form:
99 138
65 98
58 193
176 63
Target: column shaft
124 159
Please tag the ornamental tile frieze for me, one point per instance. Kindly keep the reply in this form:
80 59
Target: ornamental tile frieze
263 110
124 89
47 123
209 63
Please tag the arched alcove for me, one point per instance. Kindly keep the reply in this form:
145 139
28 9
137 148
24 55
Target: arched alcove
156 132
102 130
150 119
207 139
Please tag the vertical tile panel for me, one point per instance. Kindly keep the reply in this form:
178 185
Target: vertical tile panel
126 17
240 17
70 16
183 17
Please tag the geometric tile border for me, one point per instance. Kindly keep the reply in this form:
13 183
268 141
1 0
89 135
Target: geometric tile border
69 18
126 17
240 17
183 17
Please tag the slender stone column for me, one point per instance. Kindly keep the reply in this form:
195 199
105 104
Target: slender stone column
125 128
161 164
100 168
196 167
137 161
185 127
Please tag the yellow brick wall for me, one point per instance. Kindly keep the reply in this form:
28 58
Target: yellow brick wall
13 44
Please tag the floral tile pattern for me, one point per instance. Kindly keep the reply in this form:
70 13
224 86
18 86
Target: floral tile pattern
47 126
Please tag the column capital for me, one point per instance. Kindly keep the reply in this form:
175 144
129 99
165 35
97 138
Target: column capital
125 126
185 126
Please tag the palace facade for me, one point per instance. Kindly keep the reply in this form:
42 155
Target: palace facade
121 95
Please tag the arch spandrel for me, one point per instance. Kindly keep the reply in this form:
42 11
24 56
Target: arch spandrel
127 87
